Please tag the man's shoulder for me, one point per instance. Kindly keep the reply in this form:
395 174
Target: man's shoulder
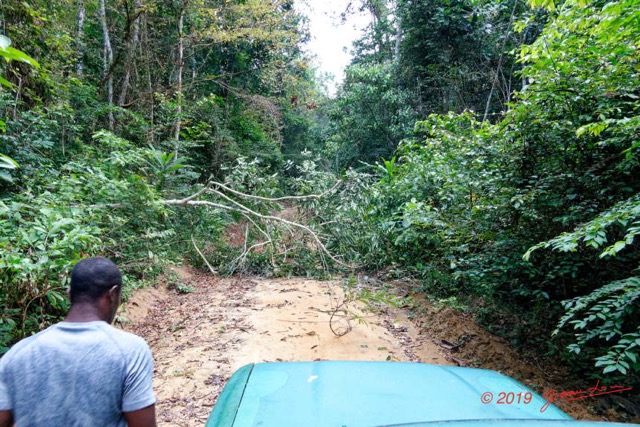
121 334
122 338
24 343
68 335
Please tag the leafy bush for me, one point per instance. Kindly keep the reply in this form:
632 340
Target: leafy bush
605 321
42 240
609 325
105 203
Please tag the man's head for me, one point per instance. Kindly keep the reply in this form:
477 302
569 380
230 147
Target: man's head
98 282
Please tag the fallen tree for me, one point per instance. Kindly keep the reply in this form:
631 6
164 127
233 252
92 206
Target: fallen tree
226 198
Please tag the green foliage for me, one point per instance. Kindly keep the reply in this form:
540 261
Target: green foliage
608 325
9 53
211 144
36 138
371 114
372 298
12 54
100 192
181 288
623 218
460 202
41 241
455 53
245 247
103 203
163 165
345 217
610 311
7 163
585 64
436 204
257 134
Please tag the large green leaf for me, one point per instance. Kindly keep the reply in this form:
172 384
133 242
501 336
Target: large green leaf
7 162
6 83
10 53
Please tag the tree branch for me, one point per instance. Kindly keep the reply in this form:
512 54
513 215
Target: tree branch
276 199
246 211
211 269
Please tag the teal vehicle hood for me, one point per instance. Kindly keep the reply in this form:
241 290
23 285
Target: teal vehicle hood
368 394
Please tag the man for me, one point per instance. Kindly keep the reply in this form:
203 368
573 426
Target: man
81 372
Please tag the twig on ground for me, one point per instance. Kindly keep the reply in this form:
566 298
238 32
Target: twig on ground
343 331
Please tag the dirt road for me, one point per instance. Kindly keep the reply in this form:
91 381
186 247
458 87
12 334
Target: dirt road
198 339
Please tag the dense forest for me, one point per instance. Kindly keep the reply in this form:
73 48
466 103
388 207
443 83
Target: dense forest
487 150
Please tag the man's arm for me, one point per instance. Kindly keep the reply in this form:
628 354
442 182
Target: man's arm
6 418
145 417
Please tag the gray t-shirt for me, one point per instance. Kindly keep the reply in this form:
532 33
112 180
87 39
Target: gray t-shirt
76 374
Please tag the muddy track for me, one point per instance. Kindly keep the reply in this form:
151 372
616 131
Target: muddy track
200 338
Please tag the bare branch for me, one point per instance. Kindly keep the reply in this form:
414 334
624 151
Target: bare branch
240 206
264 233
243 256
193 196
276 199
211 269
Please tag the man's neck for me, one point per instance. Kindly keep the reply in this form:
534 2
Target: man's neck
84 313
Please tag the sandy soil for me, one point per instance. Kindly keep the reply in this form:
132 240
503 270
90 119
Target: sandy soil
199 339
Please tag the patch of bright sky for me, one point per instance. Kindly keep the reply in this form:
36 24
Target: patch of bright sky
331 39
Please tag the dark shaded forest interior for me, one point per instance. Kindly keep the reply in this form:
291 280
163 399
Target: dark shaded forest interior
484 152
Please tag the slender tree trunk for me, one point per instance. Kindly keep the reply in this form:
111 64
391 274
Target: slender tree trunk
496 77
194 67
107 61
396 48
80 38
132 43
180 66
146 51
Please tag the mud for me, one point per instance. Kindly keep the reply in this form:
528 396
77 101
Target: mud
199 339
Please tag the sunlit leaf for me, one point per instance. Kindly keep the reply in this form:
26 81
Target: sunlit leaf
5 42
10 53
7 162
6 83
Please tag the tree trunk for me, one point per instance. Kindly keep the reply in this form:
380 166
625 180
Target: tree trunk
147 51
80 38
396 47
107 60
180 66
132 43
496 77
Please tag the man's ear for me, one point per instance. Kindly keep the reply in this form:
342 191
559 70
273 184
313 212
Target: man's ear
114 293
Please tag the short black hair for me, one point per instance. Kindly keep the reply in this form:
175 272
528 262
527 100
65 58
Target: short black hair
93 277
